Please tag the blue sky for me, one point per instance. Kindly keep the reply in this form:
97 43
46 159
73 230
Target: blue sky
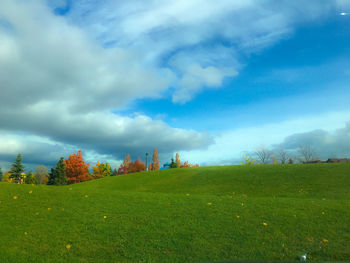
209 80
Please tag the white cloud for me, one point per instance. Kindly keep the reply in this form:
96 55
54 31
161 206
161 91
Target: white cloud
194 31
196 77
230 145
60 84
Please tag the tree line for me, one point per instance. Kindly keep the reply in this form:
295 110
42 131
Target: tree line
76 170
262 155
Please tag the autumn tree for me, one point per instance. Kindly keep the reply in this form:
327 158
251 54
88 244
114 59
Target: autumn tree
247 160
178 162
101 170
137 166
122 169
17 169
41 174
187 164
7 177
1 175
127 162
155 159
76 168
58 175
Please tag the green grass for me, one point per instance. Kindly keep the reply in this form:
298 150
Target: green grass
183 215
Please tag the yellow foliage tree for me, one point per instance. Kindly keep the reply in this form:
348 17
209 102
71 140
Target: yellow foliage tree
7 178
247 160
101 170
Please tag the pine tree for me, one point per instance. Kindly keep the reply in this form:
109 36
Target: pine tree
17 169
1 175
58 175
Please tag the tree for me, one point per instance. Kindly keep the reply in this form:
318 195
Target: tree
247 160
1 175
41 174
127 162
307 153
7 177
101 170
58 175
173 164
30 179
137 166
122 169
282 155
187 164
155 159
17 169
76 168
178 162
115 172
263 155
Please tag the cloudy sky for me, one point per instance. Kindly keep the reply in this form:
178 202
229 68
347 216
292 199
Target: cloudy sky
208 79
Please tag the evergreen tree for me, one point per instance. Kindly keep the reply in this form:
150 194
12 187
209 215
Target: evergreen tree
58 175
30 179
1 175
17 169
173 164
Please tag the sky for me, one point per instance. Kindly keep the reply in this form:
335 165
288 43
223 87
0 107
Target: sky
211 80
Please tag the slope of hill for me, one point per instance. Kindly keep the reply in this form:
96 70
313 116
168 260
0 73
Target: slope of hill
270 212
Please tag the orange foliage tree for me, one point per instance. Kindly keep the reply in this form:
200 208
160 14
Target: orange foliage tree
127 162
178 162
155 159
129 167
137 166
125 166
186 164
76 168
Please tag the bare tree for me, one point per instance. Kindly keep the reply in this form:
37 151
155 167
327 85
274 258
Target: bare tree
307 153
263 155
282 155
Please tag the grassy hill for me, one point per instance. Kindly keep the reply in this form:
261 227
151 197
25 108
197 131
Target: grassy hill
270 212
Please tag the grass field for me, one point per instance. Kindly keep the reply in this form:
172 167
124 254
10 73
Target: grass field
270 212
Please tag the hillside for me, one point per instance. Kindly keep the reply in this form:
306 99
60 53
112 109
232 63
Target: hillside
270 212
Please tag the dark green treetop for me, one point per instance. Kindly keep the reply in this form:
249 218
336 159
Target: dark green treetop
17 169
1 175
58 174
173 164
